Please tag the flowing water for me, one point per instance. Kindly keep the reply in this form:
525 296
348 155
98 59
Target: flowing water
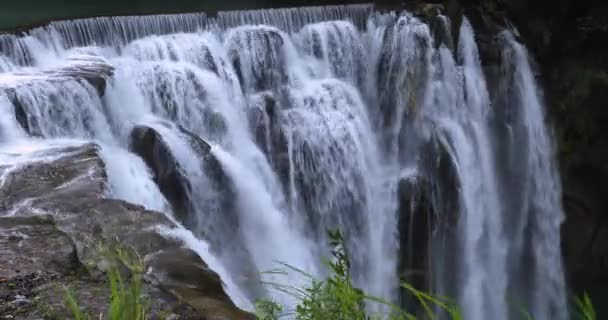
314 116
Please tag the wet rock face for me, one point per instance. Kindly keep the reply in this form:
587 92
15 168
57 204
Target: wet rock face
429 201
585 230
258 72
168 175
415 228
184 274
217 206
265 120
82 77
211 166
69 187
77 173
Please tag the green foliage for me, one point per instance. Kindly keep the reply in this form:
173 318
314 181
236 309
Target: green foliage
72 304
584 308
429 302
336 298
127 301
267 310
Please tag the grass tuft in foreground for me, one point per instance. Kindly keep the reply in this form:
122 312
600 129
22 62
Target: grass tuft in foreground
127 301
336 298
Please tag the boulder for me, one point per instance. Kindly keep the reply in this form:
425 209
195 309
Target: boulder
70 241
183 273
195 211
168 175
211 166
76 173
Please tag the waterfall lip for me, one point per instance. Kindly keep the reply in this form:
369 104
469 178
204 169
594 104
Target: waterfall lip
79 66
118 31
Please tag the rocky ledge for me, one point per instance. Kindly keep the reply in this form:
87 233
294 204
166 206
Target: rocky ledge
53 217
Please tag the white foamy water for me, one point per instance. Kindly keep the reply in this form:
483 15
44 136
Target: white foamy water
311 115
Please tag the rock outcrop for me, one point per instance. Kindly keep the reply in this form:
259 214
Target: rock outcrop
31 244
55 223
415 229
168 175
429 200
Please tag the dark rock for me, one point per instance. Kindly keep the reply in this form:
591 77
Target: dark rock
171 179
20 114
585 231
211 166
73 237
168 175
78 173
429 204
217 205
264 115
16 293
416 215
29 244
183 273
440 169
95 70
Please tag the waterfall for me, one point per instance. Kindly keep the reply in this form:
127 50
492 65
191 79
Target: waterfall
280 124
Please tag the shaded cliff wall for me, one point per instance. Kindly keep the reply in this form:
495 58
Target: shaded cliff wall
568 40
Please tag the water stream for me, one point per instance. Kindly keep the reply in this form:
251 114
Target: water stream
314 114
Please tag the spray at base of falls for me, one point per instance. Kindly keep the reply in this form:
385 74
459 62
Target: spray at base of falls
314 116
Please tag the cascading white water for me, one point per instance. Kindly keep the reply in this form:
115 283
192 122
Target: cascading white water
540 211
5 64
311 118
460 116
